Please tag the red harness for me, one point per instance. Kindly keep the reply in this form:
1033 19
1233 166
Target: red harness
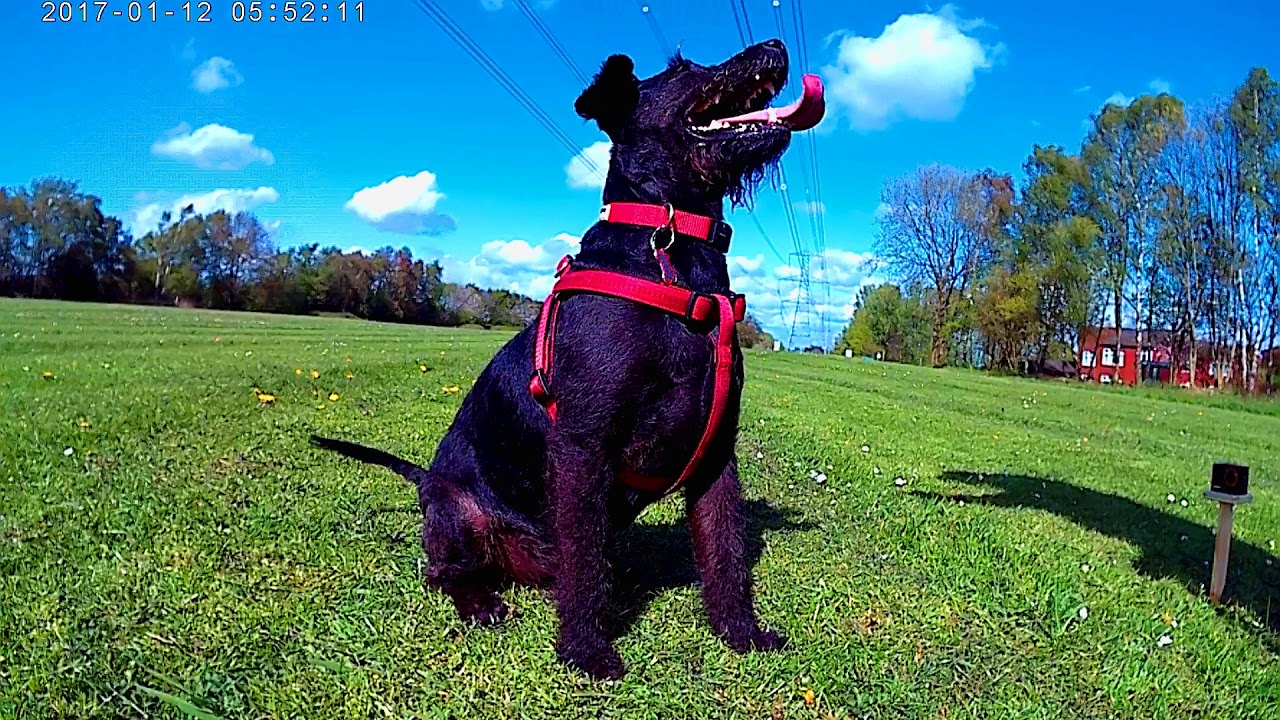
724 309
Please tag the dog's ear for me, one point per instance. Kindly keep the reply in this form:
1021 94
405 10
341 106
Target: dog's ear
612 96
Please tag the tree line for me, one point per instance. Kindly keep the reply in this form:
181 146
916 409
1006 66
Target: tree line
1166 219
56 242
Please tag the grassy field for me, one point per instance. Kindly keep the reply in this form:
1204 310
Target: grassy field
937 544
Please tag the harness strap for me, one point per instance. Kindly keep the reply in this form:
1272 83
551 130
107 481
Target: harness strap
715 232
725 309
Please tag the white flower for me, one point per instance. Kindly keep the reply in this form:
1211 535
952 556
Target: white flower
875 470
899 482
759 456
961 503
68 452
1083 612
1085 567
866 448
1170 497
1164 641
1183 503
822 477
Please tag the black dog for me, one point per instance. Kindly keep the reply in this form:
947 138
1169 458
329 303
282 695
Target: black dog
512 496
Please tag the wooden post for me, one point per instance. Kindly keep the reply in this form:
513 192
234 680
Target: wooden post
1229 487
1221 551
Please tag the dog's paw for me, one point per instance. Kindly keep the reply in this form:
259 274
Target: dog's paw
489 611
758 640
602 663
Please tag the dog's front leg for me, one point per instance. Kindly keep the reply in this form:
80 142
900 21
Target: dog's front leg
719 544
582 476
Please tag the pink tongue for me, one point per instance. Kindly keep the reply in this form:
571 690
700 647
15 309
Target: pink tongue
799 115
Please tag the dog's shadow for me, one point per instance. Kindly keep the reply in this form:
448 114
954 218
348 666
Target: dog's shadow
1169 546
650 560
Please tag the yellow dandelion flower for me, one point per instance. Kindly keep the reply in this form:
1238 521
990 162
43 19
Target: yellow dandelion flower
422 368
333 397
809 696
315 374
266 398
46 375
348 375
217 339
451 389
441 353
297 371
85 424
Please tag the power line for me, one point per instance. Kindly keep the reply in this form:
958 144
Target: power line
458 35
765 235
737 21
654 28
746 21
556 47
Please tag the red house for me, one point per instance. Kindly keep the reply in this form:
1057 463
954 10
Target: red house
1099 362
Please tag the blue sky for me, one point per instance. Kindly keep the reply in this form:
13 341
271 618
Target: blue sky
384 132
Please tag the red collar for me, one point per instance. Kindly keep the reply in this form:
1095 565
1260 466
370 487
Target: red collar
716 233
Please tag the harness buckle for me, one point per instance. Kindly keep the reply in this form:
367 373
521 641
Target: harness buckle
720 235
563 265
691 310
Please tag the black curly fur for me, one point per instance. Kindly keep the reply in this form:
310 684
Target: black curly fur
512 497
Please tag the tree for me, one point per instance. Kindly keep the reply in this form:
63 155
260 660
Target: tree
1255 116
937 228
885 321
1053 243
752 336
1121 154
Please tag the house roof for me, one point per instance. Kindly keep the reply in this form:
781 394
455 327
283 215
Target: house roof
1129 336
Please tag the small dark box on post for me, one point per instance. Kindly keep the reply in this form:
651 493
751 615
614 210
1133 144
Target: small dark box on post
1230 479
1228 486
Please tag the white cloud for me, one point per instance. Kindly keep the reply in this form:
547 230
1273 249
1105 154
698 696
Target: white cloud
580 175
495 5
922 66
189 50
213 146
1159 86
1082 89
1118 98
215 73
405 204
773 294
513 265
147 217
812 207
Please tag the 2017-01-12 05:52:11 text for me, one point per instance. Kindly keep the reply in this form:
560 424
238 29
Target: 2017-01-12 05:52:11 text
202 11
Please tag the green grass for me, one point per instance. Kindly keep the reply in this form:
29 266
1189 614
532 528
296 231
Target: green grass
192 557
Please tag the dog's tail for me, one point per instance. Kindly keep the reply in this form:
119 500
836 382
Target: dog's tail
413 473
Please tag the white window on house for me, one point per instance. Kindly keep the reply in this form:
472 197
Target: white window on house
1146 355
1086 358
1109 356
